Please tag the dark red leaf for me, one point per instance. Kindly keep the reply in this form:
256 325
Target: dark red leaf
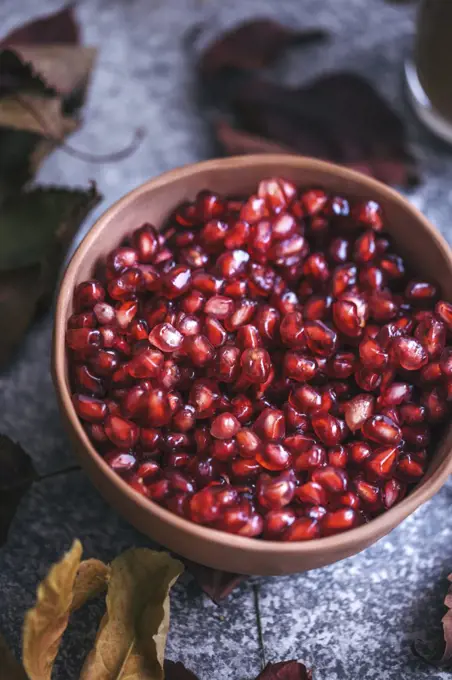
215 583
16 476
339 117
253 45
177 671
58 28
236 142
446 658
285 670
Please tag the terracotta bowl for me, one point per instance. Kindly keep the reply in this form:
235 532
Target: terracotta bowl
416 239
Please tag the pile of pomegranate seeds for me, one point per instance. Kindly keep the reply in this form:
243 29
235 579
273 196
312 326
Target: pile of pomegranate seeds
264 366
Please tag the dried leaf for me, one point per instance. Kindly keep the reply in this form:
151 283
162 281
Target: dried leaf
215 583
18 76
446 657
253 45
10 668
57 28
91 581
177 671
339 117
27 291
16 476
285 670
46 622
132 635
32 113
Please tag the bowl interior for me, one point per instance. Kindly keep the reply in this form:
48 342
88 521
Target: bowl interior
422 246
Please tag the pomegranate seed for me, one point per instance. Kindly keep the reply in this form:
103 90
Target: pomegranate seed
122 432
383 461
303 529
313 493
255 365
299 367
87 382
408 353
327 428
277 521
88 294
358 410
410 468
89 408
274 457
368 494
392 492
382 430
444 311
166 338
331 478
369 214
421 292
359 452
120 461
270 425
145 241
431 333
224 426
274 493
339 520
320 338
83 339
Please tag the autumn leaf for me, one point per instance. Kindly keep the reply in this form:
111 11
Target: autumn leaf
36 229
91 581
46 622
285 670
16 476
10 668
215 583
132 635
56 28
445 659
253 45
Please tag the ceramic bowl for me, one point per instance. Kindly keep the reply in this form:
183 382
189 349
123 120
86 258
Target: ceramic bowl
416 239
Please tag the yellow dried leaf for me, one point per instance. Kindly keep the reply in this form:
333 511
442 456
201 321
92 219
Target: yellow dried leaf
46 622
64 67
10 668
91 581
130 644
33 113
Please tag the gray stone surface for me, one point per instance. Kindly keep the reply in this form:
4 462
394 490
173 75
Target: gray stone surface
353 620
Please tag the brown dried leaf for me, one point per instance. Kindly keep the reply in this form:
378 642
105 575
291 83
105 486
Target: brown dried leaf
215 583
339 117
91 581
132 635
236 142
10 668
27 290
446 658
16 476
57 28
46 622
32 113
253 45
285 670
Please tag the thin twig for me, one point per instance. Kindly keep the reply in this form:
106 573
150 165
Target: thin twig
58 473
260 634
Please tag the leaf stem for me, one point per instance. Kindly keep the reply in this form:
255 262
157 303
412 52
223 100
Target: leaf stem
260 634
58 473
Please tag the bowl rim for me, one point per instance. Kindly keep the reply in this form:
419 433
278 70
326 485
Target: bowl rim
363 534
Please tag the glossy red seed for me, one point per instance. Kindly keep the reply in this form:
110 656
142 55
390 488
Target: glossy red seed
313 493
372 355
274 493
224 426
358 452
431 333
270 425
83 339
358 410
420 292
333 479
88 294
166 337
277 521
87 382
444 311
320 338
408 353
120 431
199 349
303 529
299 367
120 461
382 430
327 428
89 408
383 461
255 365
274 457
368 214
392 492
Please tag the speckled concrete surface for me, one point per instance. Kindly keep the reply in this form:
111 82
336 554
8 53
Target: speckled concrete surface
352 621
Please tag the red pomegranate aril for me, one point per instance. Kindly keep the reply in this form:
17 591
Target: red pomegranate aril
104 313
87 382
277 521
368 214
120 259
157 408
199 349
270 425
311 492
193 302
207 283
320 338
315 267
327 428
187 324
242 408
236 288
444 311
97 433
84 319
126 285
306 398
85 340
299 367
303 529
431 373
224 426
365 247
372 355
410 468
248 442
89 408
166 337
274 493
176 282
369 494
274 457
120 461
184 419
120 431
416 436
125 313
232 263
382 306
104 362
408 353
358 452
421 292
445 362
158 489
383 462
145 241
411 414
382 429
392 492
215 332
350 500
333 479
358 410
337 456
87 295
219 306
343 278
395 394
248 337
255 365
367 379
339 520
295 420
436 405
149 438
